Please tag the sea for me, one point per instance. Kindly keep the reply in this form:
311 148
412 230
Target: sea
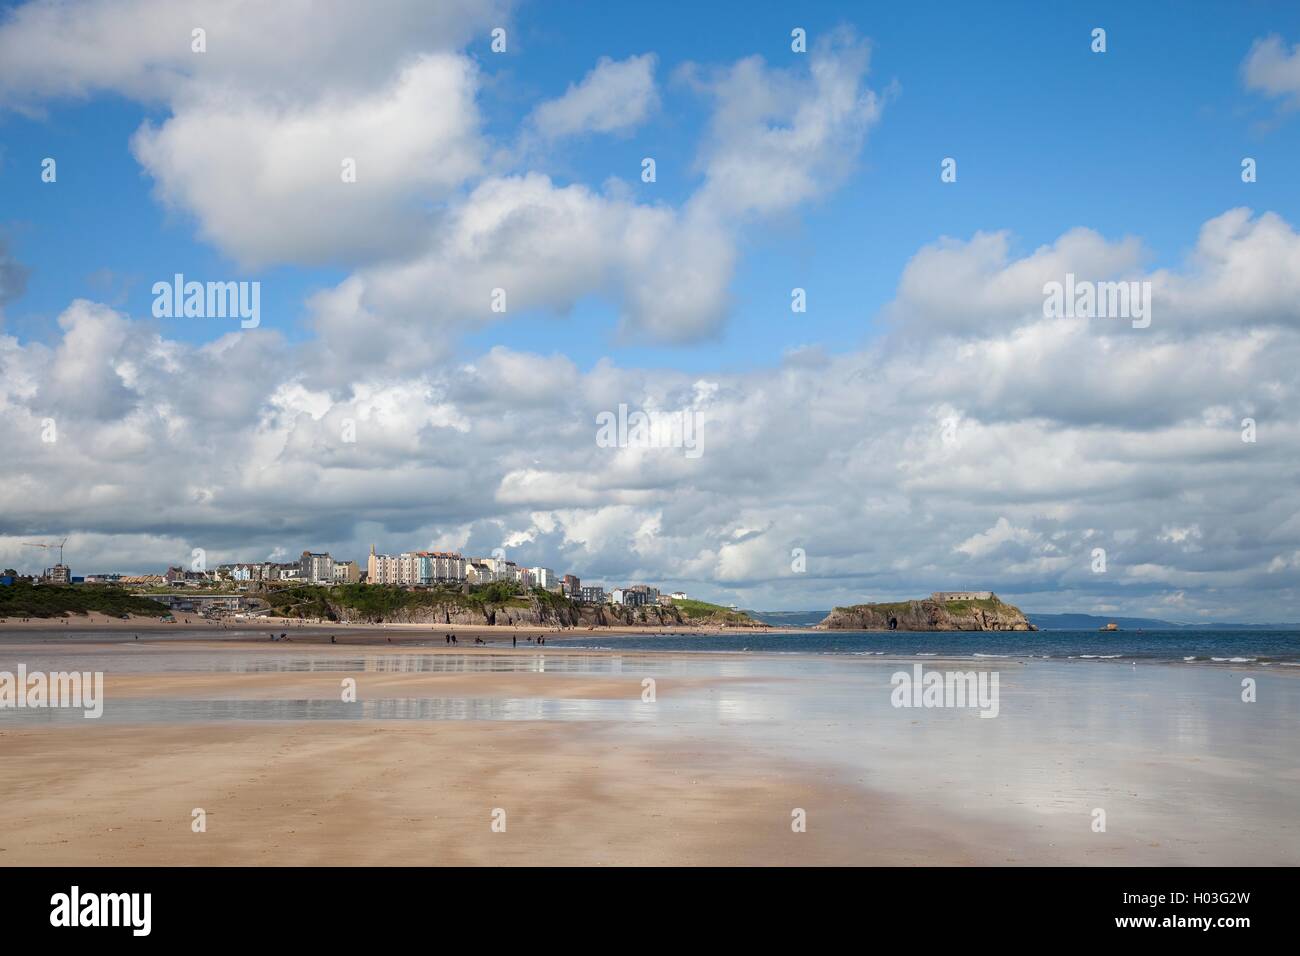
1254 646
1261 646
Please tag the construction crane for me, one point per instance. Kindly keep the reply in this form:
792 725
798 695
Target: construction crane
48 547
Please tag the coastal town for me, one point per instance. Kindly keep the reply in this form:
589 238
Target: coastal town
408 569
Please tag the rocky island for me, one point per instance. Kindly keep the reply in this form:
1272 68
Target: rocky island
941 611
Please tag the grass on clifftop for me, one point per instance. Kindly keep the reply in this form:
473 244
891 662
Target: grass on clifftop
895 607
956 607
692 609
49 600
984 604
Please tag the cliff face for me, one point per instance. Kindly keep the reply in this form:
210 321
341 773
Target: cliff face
529 612
927 615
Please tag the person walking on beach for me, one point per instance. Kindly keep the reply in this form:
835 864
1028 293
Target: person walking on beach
514 640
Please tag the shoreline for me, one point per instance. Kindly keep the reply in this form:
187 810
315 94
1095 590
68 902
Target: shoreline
99 629
316 643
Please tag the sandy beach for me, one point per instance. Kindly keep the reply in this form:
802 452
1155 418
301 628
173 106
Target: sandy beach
713 771
419 794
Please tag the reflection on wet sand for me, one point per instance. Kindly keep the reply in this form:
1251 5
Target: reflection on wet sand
1186 771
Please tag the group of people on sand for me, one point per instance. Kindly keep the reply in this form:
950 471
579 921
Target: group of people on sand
514 640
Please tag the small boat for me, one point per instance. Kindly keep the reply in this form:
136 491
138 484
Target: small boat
1112 626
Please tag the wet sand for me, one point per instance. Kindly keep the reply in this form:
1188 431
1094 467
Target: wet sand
385 686
420 794
589 773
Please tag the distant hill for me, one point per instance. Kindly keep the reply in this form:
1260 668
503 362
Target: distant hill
789 618
1091 622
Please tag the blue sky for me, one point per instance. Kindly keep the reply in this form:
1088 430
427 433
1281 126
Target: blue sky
1143 140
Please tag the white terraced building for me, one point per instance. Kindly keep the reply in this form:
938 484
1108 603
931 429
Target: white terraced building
416 567
389 569
441 566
